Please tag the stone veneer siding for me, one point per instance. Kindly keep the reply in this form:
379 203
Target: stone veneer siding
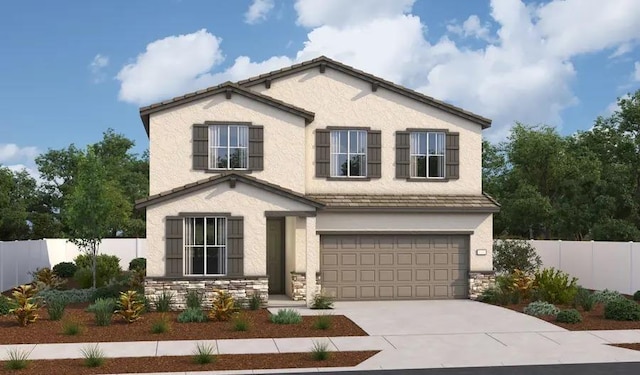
240 288
299 286
479 282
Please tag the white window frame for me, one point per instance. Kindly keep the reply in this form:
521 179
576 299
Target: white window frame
413 154
333 167
188 265
213 147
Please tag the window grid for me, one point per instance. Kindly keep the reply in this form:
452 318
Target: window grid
426 152
221 150
218 245
354 153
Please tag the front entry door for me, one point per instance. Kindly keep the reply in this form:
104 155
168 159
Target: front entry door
275 255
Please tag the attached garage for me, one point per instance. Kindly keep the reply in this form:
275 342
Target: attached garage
387 267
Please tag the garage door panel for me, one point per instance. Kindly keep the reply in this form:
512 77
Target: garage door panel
395 266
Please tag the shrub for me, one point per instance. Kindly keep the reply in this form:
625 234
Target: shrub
17 359
521 283
606 296
107 267
622 309
223 306
495 296
108 291
569 316
44 278
192 315
255 302
129 306
286 316
540 308
323 321
65 269
103 310
138 264
25 308
83 277
164 301
585 299
240 323
203 354
555 286
194 299
509 255
93 356
55 308
322 301
320 351
5 305
507 285
68 296
71 327
161 325
636 295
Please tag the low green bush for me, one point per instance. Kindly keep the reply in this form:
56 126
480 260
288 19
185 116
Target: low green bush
164 301
194 299
84 278
322 301
240 323
286 316
103 310
93 356
55 308
323 321
636 295
569 316
67 296
320 351
65 269
161 325
192 315
108 291
5 305
541 308
255 302
71 327
606 296
496 296
622 309
585 299
203 354
17 359
138 264
555 286
107 267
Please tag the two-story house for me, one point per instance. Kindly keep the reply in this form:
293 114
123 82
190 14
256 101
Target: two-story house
316 176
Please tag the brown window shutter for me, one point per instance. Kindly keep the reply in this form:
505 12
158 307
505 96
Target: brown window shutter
256 148
200 147
402 154
452 156
174 246
374 153
323 153
235 246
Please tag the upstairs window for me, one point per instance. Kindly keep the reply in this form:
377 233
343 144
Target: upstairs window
205 245
427 152
348 153
228 147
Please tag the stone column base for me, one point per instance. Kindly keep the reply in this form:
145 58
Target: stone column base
479 281
241 289
299 285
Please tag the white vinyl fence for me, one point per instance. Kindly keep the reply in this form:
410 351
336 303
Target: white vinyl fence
19 258
597 265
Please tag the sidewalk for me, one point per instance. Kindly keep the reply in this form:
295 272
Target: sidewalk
397 351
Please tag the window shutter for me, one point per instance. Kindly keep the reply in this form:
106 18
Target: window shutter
374 150
402 154
174 246
323 153
256 148
235 246
200 147
452 156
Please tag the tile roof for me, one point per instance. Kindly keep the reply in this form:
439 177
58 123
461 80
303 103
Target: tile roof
374 80
412 202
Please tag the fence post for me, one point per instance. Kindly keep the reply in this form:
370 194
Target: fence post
631 267
559 254
593 274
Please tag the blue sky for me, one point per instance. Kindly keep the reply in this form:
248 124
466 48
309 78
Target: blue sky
70 70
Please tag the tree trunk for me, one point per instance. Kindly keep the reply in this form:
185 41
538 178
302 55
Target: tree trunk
93 266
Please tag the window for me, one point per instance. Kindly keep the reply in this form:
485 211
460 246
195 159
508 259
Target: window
228 147
427 154
348 153
205 245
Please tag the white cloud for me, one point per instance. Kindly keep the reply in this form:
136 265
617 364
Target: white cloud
258 11
313 13
636 72
471 27
97 66
11 152
170 66
622 49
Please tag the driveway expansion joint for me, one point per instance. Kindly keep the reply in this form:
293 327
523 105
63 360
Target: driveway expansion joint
488 334
390 343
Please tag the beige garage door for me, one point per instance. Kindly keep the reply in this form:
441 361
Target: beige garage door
382 267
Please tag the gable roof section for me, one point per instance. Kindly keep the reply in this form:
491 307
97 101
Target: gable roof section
324 61
228 88
232 178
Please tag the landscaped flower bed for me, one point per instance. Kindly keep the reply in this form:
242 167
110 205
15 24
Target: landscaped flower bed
186 363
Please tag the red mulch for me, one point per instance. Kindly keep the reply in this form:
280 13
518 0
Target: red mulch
185 363
48 331
635 346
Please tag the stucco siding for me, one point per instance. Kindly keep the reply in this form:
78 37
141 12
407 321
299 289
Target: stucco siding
170 159
480 224
243 200
342 100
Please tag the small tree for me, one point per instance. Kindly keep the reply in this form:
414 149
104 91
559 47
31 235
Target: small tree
95 208
510 255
